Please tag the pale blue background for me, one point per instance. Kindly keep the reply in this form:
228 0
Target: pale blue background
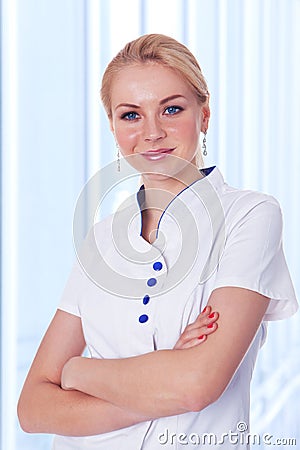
55 136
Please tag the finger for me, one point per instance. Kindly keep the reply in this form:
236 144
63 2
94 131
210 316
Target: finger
201 318
199 331
207 317
212 318
211 328
204 318
195 333
202 325
194 342
190 343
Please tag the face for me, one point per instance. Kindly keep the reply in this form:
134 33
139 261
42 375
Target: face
155 115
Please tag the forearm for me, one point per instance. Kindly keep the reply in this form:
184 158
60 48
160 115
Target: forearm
170 382
143 384
47 408
156 384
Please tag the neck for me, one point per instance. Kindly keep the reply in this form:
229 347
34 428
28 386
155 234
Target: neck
160 190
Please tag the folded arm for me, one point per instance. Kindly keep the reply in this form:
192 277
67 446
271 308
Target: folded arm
169 382
44 407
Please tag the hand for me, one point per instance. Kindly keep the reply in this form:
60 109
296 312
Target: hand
69 372
196 333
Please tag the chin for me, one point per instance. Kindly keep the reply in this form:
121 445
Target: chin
170 166
156 176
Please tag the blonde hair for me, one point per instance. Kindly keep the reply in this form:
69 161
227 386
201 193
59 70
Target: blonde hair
162 50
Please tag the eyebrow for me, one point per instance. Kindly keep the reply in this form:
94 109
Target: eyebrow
162 102
171 97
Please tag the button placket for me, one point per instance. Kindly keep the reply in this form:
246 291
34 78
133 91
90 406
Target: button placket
157 266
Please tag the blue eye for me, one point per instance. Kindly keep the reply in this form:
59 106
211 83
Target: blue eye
129 115
171 110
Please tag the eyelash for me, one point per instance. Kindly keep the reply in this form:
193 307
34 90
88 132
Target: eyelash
178 108
126 115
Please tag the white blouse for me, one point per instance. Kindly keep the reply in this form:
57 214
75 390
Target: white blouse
134 297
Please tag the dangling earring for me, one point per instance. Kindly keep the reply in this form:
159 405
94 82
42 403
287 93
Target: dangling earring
118 158
204 151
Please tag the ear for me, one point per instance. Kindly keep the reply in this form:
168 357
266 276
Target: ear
205 118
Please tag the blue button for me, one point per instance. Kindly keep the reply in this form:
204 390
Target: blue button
143 318
157 265
146 299
152 281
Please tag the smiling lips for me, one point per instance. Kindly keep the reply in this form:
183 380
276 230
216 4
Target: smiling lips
156 155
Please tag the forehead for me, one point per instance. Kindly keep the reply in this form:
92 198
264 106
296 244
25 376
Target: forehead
146 81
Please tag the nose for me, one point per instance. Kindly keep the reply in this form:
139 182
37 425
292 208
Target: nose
153 129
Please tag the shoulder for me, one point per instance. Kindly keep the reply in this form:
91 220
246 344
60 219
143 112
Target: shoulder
247 197
250 213
253 225
237 202
241 204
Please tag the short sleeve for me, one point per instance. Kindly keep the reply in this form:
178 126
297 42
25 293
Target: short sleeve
80 281
70 299
253 257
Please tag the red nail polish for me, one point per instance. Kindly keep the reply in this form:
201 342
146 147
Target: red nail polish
211 315
201 337
205 309
210 325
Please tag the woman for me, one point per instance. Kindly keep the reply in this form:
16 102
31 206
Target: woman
150 382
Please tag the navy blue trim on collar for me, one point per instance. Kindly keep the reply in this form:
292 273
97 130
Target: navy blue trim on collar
141 194
207 170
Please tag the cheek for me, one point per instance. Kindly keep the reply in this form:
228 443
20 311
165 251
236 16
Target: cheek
126 138
187 131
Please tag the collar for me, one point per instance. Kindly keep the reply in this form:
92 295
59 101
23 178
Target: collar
197 191
141 192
